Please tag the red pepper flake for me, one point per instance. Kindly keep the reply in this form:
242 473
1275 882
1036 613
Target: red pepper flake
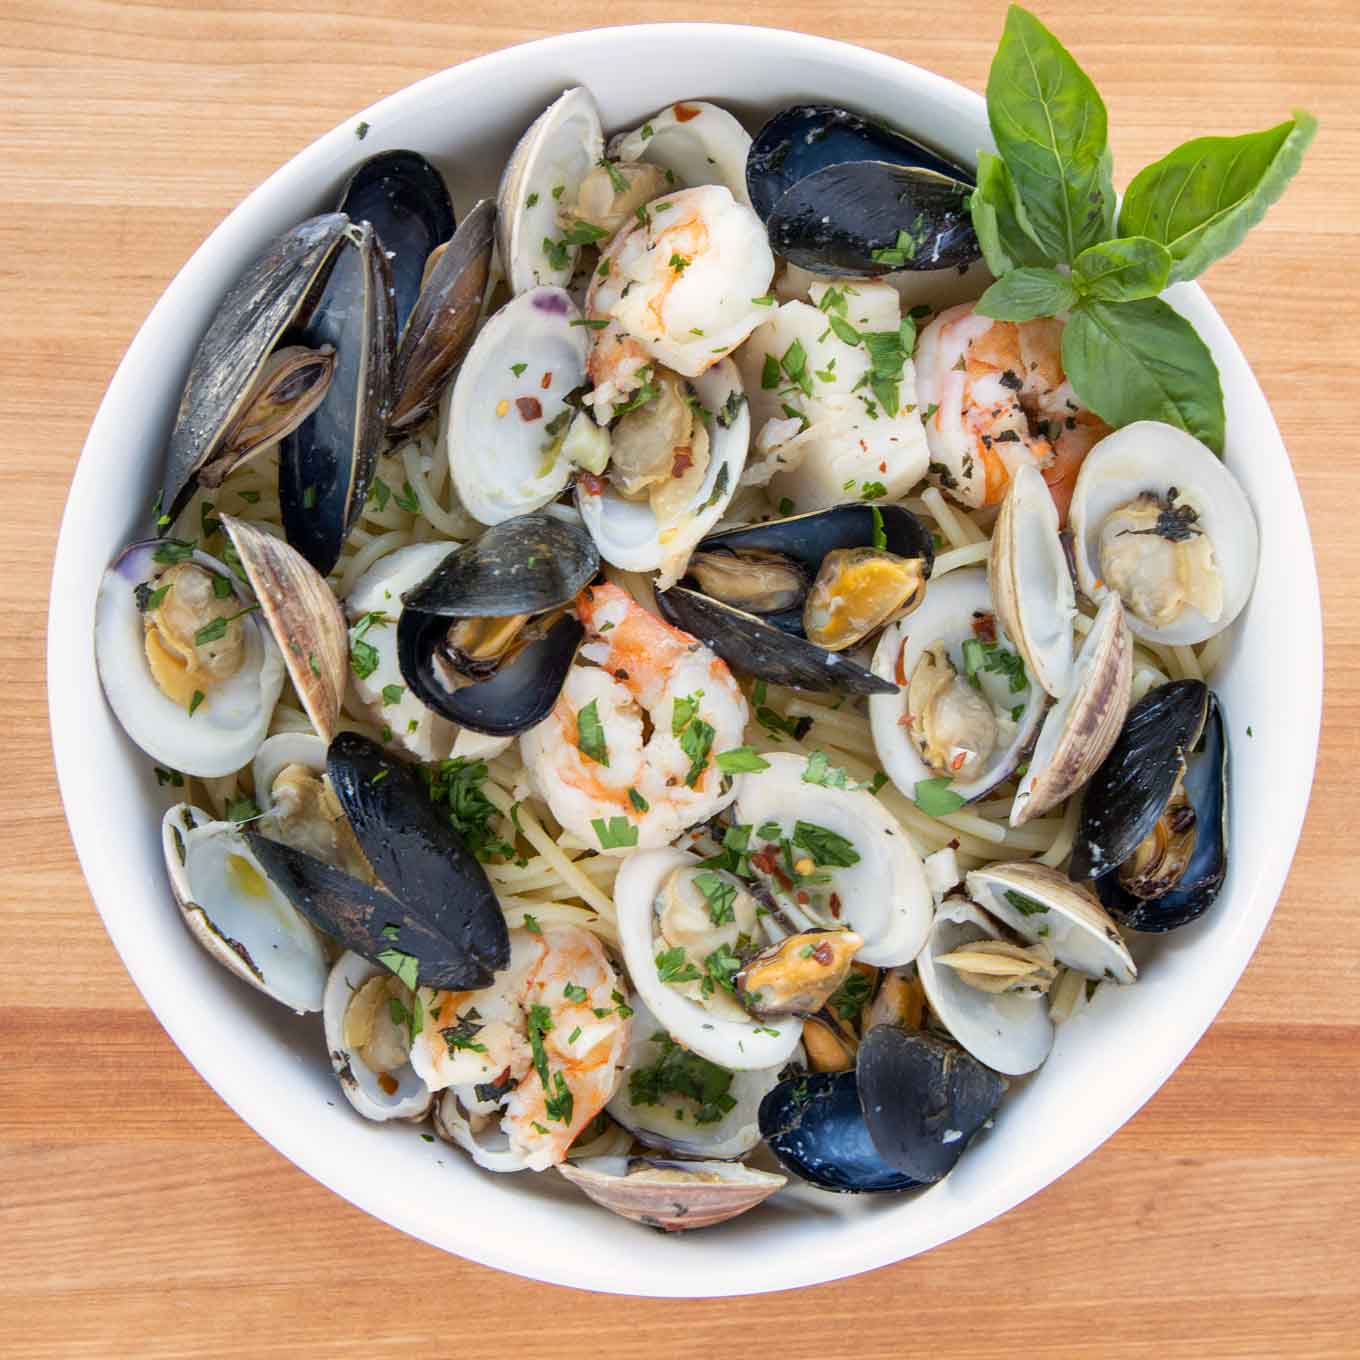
766 860
953 845
620 675
684 460
835 905
545 381
957 762
802 899
388 1083
823 954
902 663
984 626
593 485
883 467
863 447
529 408
684 112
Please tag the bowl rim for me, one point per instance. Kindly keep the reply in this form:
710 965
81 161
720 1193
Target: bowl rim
69 648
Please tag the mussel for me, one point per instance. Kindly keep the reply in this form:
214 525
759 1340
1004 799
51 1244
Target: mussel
842 195
783 600
486 639
1154 819
901 1118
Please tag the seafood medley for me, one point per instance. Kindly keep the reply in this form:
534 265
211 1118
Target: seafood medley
689 702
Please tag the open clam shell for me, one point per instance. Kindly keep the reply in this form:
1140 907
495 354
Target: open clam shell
304 617
697 142
481 1138
1008 1031
1080 728
676 1196
545 170
1030 583
237 913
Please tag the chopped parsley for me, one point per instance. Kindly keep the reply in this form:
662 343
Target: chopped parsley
216 629
848 999
872 491
173 550
195 700
456 787
1026 906
575 994
391 694
741 760
766 301
719 894
679 263
518 369
769 373
618 834
638 801
673 966
405 966
825 846
380 493
677 1072
408 500
242 809
590 734
171 777
616 178
935 798
880 538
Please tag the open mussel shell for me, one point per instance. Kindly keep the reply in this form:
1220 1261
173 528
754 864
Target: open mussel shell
675 1196
326 464
235 910
805 138
1129 792
275 294
773 646
440 329
1206 791
405 200
304 617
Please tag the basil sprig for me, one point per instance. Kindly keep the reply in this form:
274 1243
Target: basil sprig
1044 214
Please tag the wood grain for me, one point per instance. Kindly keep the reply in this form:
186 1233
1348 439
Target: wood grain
139 1217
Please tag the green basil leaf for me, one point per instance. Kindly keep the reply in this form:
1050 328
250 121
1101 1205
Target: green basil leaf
999 220
1050 128
935 798
1203 198
1026 293
1123 270
1142 361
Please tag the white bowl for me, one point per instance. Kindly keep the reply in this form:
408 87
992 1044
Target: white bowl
271 1067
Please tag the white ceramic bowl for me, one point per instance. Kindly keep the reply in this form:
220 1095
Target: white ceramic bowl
271 1067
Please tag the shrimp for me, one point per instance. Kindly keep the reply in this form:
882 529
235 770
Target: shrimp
676 289
994 396
629 750
551 1031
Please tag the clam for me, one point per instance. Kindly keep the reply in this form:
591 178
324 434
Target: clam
694 142
744 594
658 895
441 324
612 194
799 974
236 912
436 919
901 1118
509 414
1154 819
1080 728
275 295
484 639
304 616
682 1103
842 195
675 1196
326 464
545 171
466 1121
965 709
1159 520
370 1016
1030 583
835 858
405 200
685 466
187 666
374 610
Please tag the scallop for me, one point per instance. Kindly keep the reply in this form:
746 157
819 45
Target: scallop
509 414
629 533
982 711
237 913
850 859
369 1014
1157 518
545 171
205 716
697 142
736 1044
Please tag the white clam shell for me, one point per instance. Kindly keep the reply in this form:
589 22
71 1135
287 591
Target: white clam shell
698 142
488 1147
1150 456
276 753
261 939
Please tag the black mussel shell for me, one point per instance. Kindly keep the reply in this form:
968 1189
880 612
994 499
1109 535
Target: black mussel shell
423 863
924 1099
870 217
815 1126
407 203
1206 790
805 138
276 293
517 696
525 565
326 464
443 319
1134 783
773 646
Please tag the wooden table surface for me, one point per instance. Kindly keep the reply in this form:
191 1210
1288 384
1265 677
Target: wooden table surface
140 1217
